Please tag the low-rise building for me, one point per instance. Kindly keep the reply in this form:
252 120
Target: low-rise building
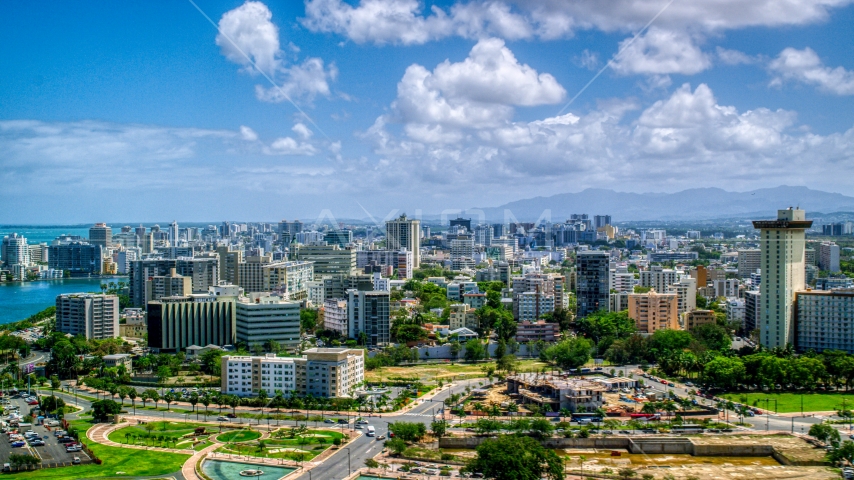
333 315
553 393
527 331
117 359
320 372
461 315
700 317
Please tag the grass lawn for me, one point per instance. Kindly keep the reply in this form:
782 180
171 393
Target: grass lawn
791 402
238 436
166 429
130 461
301 447
440 371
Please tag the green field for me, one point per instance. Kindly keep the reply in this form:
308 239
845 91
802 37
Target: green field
286 443
160 431
129 462
238 436
791 402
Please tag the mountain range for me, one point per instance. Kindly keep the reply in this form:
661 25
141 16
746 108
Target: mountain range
692 204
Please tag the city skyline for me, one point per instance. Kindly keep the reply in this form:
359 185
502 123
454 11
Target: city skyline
143 112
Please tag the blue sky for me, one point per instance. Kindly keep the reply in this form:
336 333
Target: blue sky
145 111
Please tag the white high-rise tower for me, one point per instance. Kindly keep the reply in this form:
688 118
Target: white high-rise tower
783 243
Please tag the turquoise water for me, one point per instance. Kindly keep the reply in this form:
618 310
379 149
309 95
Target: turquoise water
45 234
224 470
19 300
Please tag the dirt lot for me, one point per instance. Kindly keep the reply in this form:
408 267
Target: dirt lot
443 371
792 447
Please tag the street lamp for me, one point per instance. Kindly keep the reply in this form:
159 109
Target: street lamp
348 460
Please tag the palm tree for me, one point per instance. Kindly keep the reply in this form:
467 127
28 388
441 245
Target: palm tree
206 400
194 399
132 396
233 401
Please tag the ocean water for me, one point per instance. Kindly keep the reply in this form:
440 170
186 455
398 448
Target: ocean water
45 234
19 300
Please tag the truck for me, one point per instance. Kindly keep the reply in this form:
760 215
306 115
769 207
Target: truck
371 431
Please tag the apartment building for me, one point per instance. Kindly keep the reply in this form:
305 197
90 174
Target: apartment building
592 281
368 314
527 331
748 262
333 315
700 317
91 315
658 278
261 274
824 320
653 311
172 285
320 372
462 316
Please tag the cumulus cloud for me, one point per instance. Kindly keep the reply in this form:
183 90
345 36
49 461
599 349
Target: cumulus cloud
734 57
660 52
304 132
248 134
289 146
408 22
248 37
805 66
479 91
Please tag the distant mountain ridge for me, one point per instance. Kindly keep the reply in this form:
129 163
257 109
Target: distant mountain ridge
695 203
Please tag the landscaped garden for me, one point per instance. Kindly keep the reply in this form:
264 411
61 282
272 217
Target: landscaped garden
238 436
190 436
793 402
298 443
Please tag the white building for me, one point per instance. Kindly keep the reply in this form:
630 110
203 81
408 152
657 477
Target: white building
91 315
686 291
262 317
658 278
735 310
333 314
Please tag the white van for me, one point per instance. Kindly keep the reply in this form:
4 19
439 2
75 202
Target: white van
371 431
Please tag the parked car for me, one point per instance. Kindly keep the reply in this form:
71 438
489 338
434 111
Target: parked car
231 415
76 461
73 448
19 443
329 420
221 418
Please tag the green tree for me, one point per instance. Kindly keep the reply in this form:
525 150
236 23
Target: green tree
439 428
724 373
408 431
101 409
511 457
571 352
825 433
308 320
396 445
475 350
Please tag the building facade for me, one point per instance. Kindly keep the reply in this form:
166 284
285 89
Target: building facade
91 315
368 314
653 311
262 318
405 233
592 278
824 320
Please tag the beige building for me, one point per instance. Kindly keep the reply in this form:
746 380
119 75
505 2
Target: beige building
782 243
700 317
171 285
260 274
686 291
127 330
462 316
229 264
653 311
321 372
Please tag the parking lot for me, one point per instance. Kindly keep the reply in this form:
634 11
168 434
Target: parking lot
52 452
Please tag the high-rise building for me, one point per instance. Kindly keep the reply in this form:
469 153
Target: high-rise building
653 311
339 237
823 320
262 318
699 274
172 285
91 315
752 303
400 260
782 243
288 231
14 251
592 292
329 260
173 233
229 264
810 256
461 222
686 293
333 315
828 257
483 235
78 258
658 278
101 234
600 221
462 252
748 262
405 233
368 313
261 274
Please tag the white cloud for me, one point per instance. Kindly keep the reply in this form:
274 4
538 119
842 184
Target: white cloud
304 132
248 134
289 146
247 36
734 57
406 21
806 67
479 91
660 52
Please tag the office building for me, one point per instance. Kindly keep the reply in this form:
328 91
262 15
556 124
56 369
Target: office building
782 243
175 323
172 285
328 260
78 258
726 287
319 372
405 233
261 274
462 252
653 311
483 235
400 260
748 262
592 272
229 264
101 234
262 318
339 237
828 257
810 257
833 229
700 317
824 320
461 222
600 221
288 231
333 316
94 316
658 278
368 317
